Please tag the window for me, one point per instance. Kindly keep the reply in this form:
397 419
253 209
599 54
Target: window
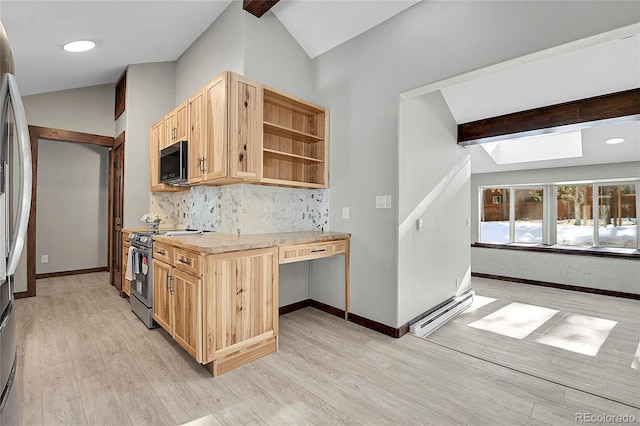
495 215
617 216
528 215
598 214
574 207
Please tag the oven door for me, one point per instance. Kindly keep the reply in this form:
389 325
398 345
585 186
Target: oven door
142 284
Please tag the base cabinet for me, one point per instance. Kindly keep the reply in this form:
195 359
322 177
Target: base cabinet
126 284
222 309
187 299
162 300
240 304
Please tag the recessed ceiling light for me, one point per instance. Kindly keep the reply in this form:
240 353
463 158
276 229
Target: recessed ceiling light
79 46
614 141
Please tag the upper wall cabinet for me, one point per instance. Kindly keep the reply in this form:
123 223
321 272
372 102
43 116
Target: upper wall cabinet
225 135
240 131
295 141
176 125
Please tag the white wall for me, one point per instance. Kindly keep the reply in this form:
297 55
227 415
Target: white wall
274 58
583 271
87 110
219 48
72 202
150 95
434 175
360 82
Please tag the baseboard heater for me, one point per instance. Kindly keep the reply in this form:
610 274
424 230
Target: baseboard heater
442 314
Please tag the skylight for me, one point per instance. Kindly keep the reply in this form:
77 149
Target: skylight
553 146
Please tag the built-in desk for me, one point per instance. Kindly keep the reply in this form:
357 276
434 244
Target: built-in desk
217 293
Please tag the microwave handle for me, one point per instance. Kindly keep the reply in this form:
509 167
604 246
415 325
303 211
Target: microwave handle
11 92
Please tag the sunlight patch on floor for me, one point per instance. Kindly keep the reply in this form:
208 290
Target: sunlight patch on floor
478 302
516 320
578 333
636 359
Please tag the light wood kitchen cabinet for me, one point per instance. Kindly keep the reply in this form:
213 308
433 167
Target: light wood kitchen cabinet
126 284
225 137
177 302
221 308
295 141
156 141
186 291
241 131
240 307
176 125
162 300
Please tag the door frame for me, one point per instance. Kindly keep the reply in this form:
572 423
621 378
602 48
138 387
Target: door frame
118 141
37 133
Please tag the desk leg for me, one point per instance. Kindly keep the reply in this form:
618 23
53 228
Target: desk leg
347 274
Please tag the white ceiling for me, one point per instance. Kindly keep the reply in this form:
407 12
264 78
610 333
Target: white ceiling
129 32
132 32
604 68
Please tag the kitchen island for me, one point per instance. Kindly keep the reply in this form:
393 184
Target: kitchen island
217 293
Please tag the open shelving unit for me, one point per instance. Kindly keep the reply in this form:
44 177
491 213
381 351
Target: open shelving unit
295 141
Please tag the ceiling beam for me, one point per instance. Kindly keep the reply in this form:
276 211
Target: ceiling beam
258 7
583 113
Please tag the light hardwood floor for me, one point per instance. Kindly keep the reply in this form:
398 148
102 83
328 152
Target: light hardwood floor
84 358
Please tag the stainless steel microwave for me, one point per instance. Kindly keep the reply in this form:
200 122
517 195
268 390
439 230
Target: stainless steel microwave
173 164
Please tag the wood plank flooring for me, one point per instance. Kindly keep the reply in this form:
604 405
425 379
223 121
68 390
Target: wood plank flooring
84 358
608 374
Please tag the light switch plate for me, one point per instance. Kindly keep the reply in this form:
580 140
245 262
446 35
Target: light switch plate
383 201
345 212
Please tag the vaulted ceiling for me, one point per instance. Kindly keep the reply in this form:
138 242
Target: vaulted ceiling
132 32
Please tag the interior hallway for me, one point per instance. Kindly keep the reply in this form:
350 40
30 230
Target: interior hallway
84 358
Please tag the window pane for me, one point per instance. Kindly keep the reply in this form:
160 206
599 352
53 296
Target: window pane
494 223
618 219
575 215
528 220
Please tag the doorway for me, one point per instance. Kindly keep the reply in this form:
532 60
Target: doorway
116 208
36 135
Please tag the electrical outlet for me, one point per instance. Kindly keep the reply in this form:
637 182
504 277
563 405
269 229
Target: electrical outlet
288 212
44 258
420 224
468 222
345 212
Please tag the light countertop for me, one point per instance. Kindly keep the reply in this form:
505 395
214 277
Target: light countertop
219 242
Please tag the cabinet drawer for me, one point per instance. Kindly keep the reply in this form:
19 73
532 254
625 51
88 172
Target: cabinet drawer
187 261
300 252
162 252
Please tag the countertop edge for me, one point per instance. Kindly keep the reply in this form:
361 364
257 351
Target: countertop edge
218 243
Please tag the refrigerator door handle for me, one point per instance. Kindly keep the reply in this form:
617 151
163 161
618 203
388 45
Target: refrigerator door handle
24 154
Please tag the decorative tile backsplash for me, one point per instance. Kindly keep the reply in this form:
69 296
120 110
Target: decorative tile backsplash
245 209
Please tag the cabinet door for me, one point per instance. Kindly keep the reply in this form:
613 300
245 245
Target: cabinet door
245 128
240 301
126 284
156 140
169 129
162 298
187 302
197 106
215 159
181 122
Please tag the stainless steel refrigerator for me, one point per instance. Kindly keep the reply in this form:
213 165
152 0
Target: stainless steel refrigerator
15 164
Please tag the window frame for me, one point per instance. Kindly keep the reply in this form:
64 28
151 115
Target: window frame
550 215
